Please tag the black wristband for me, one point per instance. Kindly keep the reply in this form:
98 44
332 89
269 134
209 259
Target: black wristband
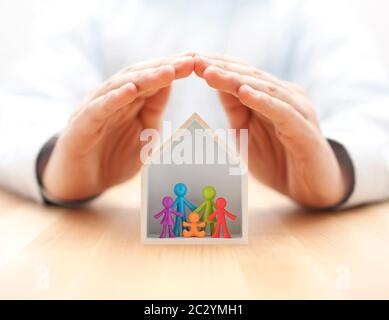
346 166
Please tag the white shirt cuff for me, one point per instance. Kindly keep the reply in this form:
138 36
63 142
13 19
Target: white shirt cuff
369 165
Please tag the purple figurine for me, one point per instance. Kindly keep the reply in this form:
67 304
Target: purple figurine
167 221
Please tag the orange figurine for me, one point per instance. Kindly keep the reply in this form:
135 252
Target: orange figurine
193 226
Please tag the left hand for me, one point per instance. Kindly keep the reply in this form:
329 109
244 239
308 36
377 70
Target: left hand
287 150
100 146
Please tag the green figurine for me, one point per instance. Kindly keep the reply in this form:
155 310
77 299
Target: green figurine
209 194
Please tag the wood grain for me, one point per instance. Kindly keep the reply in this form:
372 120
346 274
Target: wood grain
95 252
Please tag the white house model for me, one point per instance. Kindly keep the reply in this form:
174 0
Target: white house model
209 161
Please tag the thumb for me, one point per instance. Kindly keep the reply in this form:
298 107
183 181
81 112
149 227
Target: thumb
237 114
151 113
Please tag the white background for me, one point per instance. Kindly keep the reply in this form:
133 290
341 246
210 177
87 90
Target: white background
19 25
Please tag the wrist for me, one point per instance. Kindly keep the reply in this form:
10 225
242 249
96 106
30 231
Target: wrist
47 176
326 179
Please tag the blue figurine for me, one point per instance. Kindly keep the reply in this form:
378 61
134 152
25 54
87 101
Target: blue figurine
180 190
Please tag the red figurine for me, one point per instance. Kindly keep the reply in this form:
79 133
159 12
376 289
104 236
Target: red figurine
221 214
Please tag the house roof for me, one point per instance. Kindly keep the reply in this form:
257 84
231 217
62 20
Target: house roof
194 118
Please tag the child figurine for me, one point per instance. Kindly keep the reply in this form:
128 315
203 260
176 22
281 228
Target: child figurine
181 190
209 194
193 226
167 221
221 214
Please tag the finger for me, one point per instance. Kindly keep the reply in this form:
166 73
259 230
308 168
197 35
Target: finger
151 113
284 117
183 64
181 68
221 57
230 82
236 112
124 115
202 63
96 113
146 80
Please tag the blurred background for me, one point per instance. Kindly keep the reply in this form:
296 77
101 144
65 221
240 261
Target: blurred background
20 25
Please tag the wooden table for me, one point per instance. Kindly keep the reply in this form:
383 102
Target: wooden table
95 252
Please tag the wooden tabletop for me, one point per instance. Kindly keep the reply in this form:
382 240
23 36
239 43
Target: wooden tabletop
96 252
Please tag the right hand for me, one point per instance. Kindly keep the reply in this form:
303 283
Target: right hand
100 146
288 151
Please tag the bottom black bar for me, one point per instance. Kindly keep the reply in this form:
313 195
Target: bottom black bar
194 309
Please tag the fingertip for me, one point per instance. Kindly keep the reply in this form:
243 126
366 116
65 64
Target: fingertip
246 91
245 94
213 70
253 98
129 88
183 67
128 92
200 65
212 75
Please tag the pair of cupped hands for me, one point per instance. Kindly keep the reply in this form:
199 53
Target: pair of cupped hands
100 147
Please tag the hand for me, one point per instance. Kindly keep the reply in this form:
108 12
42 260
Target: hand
100 147
287 150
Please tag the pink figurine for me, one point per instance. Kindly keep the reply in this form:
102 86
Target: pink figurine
221 214
167 221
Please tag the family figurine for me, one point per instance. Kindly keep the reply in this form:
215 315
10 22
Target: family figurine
167 221
188 226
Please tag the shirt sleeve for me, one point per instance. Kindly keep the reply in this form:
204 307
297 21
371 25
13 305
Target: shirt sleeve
38 97
335 59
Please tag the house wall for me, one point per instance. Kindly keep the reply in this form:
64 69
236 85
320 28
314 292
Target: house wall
163 177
